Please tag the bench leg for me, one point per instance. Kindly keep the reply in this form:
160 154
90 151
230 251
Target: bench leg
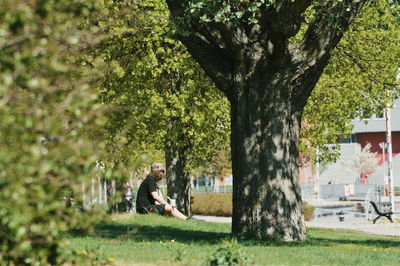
387 216
390 218
376 219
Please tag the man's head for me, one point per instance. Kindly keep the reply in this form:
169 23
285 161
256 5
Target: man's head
157 170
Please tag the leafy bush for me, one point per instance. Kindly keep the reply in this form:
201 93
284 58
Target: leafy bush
220 204
308 211
47 105
229 254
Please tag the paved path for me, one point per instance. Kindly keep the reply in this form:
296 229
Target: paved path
381 227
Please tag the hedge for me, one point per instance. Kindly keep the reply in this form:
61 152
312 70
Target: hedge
220 204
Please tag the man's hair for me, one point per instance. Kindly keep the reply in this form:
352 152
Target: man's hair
157 167
157 171
158 175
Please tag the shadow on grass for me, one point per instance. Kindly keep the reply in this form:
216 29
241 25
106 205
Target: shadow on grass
376 243
328 237
157 233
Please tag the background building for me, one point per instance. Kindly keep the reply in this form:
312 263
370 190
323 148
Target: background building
373 131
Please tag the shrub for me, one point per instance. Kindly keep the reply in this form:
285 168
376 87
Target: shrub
220 204
217 204
308 211
44 106
228 254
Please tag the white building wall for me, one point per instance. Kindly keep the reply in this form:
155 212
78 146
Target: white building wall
337 173
379 124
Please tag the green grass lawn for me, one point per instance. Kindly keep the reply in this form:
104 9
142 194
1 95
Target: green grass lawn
155 240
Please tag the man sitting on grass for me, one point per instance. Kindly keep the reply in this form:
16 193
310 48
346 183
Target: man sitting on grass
147 195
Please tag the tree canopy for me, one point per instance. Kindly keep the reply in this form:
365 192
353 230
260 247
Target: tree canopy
158 96
155 81
359 80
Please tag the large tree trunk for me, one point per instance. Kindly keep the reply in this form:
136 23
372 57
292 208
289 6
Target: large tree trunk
265 132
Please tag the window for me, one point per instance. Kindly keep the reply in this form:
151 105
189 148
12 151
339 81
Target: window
350 139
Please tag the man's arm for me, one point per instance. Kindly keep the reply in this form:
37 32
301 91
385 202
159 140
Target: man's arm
157 198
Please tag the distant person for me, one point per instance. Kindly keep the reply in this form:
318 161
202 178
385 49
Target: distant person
147 195
128 197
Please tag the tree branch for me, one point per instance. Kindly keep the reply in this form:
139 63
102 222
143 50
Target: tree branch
285 17
9 43
327 28
299 6
324 33
211 45
176 7
211 59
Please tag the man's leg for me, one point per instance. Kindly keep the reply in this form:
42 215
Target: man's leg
174 212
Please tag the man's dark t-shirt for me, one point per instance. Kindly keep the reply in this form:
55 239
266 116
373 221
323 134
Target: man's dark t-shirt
144 197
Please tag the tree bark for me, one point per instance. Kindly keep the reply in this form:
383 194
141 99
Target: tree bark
178 178
266 195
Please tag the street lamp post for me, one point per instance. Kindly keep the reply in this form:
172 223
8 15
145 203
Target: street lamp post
389 154
317 186
385 177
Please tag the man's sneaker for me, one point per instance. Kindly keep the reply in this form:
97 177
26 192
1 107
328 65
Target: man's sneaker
194 219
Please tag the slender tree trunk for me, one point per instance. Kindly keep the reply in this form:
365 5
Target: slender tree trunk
265 132
178 155
178 179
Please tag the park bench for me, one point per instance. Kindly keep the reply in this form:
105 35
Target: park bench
382 212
